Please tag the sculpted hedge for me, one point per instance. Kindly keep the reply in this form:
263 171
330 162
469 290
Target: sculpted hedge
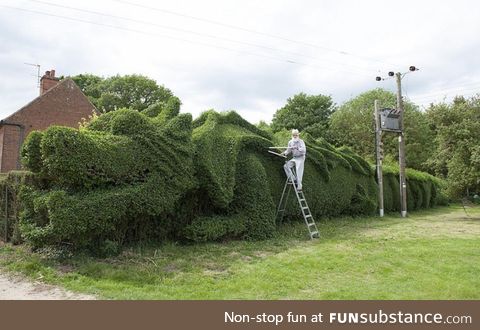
130 176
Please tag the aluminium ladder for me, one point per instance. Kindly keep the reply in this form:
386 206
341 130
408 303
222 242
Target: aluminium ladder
302 202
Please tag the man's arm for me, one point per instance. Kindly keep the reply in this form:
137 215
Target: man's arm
302 148
289 149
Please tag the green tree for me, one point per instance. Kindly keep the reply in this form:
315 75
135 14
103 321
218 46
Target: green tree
90 85
309 113
353 124
457 157
130 91
264 126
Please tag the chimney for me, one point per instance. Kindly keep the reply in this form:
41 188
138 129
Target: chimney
48 81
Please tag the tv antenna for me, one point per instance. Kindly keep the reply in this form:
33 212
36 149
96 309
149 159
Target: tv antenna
38 73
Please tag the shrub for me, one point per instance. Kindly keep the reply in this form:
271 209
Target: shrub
10 205
127 176
242 181
212 228
31 153
423 189
108 181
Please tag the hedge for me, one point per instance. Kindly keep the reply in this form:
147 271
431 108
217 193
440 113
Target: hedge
423 190
128 176
11 184
114 180
232 164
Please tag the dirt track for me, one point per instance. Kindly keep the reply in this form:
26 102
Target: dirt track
18 288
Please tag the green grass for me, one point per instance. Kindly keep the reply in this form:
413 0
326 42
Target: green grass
432 254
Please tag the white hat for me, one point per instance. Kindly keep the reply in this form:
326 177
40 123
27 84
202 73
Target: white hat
295 131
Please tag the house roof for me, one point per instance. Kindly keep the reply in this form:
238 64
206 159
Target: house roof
46 94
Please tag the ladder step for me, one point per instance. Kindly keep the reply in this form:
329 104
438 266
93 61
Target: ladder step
302 201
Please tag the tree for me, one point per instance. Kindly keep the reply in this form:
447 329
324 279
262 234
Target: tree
457 156
264 126
90 86
309 113
353 124
130 91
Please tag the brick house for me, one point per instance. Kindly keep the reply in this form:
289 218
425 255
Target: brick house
60 103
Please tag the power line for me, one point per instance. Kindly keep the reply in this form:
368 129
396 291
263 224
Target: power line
457 91
195 33
452 89
465 84
178 39
235 27
444 98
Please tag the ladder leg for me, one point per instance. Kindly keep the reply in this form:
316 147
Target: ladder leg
307 215
281 198
282 204
302 202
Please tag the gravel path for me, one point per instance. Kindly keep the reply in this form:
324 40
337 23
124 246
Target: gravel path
14 287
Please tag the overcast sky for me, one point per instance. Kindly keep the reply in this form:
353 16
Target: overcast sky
249 55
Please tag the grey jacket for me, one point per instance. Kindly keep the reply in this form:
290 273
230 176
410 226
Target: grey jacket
297 148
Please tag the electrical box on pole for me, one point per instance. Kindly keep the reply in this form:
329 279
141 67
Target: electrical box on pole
390 120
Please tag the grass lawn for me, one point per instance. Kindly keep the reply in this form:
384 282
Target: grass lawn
433 254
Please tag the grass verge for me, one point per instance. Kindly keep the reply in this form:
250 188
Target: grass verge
432 254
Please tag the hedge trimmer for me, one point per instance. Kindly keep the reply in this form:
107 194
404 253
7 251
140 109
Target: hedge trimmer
276 153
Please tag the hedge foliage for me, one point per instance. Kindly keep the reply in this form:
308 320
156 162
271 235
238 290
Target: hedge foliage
114 180
11 184
128 176
423 190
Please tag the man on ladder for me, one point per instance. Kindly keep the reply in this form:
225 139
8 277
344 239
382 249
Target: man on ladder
297 147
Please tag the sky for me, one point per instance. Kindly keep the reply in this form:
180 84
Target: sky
249 55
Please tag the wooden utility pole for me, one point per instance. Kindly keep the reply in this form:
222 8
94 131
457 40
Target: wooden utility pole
379 156
401 148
